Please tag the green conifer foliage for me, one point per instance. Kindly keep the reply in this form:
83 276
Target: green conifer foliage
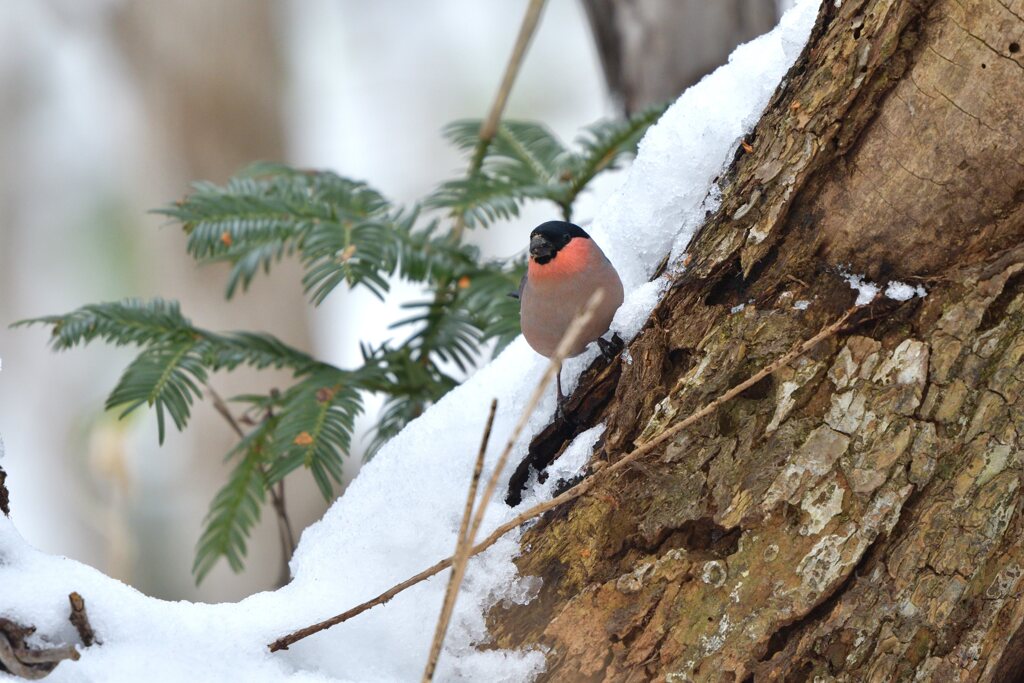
343 232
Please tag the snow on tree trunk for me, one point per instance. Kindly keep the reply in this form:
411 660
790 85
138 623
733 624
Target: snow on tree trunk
857 515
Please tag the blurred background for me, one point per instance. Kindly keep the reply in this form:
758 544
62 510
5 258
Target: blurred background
109 108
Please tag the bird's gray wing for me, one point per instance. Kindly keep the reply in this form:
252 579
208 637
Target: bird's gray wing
519 293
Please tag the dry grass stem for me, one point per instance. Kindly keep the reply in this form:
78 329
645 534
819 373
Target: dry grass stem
569 340
489 127
461 551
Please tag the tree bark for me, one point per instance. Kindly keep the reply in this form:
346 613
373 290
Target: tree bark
857 516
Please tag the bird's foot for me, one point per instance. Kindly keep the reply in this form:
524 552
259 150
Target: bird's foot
611 348
561 399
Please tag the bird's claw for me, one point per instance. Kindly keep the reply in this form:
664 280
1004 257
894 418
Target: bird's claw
611 348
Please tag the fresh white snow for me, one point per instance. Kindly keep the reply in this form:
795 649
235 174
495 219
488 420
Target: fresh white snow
901 291
867 291
401 514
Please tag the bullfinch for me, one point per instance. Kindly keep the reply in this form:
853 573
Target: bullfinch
566 267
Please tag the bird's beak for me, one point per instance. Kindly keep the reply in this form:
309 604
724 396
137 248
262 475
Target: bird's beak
541 248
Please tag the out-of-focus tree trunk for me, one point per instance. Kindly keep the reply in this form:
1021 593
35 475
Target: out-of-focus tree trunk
211 79
652 50
856 516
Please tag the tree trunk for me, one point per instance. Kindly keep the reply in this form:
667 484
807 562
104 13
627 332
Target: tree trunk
858 514
652 50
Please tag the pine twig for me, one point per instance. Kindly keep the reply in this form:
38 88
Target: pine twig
461 549
284 526
489 128
580 489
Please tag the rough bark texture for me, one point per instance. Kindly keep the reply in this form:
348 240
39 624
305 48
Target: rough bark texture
858 516
652 50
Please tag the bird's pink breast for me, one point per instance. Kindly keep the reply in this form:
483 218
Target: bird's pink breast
551 300
570 260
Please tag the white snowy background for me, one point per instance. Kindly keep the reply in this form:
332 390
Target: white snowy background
401 514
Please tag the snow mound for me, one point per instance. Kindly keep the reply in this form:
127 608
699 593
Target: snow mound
402 512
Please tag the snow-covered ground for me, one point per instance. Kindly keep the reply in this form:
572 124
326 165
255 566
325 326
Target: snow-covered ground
402 512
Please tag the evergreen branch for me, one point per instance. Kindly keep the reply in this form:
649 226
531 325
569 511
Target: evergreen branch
315 428
484 295
603 144
479 200
525 161
411 381
255 349
164 378
286 535
176 356
343 231
270 211
522 162
236 507
132 321
530 144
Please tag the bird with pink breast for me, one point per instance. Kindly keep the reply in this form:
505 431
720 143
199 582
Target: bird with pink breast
566 267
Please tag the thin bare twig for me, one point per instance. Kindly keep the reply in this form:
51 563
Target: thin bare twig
80 620
580 489
461 558
461 548
489 128
21 659
284 526
5 500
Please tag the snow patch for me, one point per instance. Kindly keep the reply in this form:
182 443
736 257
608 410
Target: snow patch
867 291
901 291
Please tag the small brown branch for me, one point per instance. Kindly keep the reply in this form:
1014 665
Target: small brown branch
5 499
284 531
581 488
18 658
221 407
284 526
80 620
489 128
461 551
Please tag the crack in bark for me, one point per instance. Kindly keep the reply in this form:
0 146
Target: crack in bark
991 49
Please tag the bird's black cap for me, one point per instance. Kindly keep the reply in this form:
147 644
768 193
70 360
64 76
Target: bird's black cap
548 238
559 232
